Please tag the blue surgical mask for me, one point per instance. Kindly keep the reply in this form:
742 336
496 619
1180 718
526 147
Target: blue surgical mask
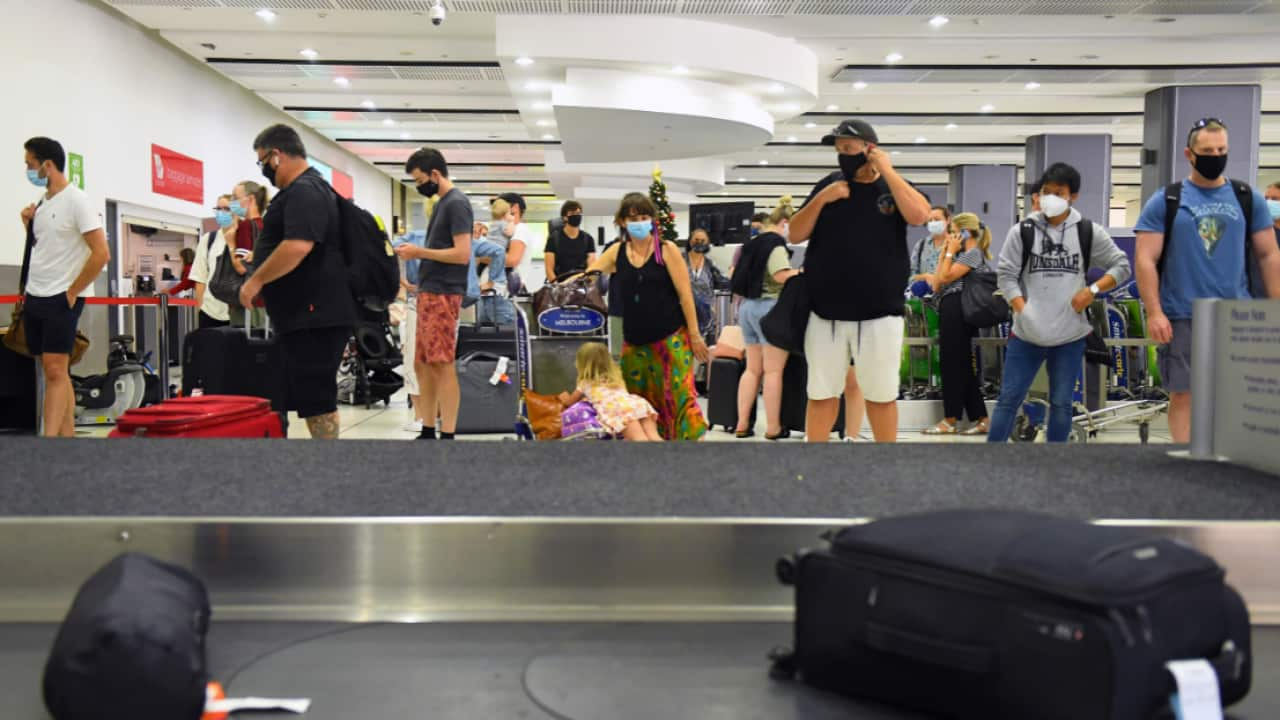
937 227
1274 207
34 177
640 229
223 217
237 209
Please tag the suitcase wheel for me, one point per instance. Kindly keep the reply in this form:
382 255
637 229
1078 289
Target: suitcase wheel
785 569
783 664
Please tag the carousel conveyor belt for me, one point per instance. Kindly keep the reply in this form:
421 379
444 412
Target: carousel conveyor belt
581 671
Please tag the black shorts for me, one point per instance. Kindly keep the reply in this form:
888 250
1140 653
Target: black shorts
312 357
51 324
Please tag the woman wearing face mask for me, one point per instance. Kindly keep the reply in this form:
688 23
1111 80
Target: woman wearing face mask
927 252
968 248
705 278
248 202
659 322
762 270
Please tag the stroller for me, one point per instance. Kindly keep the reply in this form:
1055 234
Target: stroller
368 374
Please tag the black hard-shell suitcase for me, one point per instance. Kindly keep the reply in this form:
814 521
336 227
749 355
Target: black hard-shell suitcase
722 393
132 646
999 614
486 338
795 396
486 407
235 361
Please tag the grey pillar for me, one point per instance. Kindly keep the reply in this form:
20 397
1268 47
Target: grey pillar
989 192
1170 113
1090 154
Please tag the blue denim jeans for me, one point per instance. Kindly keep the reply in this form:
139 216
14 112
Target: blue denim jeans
495 310
497 258
1022 361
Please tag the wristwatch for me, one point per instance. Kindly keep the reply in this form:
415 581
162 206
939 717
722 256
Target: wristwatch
1095 289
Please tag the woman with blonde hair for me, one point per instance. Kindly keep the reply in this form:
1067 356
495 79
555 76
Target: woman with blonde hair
600 383
968 248
758 277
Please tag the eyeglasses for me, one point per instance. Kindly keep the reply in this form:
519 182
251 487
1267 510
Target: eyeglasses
264 159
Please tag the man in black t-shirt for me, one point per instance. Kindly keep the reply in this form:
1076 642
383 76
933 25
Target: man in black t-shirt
569 249
856 266
303 278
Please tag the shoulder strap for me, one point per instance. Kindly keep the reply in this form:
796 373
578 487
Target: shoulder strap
1172 201
1244 194
1085 231
1027 228
26 252
920 253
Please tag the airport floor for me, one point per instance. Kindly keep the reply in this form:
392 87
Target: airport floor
384 422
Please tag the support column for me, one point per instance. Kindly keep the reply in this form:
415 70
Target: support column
1090 154
989 192
1170 113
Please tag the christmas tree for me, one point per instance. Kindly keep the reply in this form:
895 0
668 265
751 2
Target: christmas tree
666 220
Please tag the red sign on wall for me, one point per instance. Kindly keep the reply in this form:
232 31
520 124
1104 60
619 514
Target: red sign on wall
343 184
176 175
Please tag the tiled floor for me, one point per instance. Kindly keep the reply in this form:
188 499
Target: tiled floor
387 423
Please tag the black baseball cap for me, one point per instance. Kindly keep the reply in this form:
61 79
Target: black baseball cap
852 129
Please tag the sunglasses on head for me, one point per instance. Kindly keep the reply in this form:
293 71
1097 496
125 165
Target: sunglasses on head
1201 124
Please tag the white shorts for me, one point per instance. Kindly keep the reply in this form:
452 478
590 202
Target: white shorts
874 346
409 344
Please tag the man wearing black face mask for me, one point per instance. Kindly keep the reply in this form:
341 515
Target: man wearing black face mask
856 266
568 249
303 278
1205 257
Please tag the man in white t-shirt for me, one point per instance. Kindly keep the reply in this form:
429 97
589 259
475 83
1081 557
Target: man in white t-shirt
70 249
209 250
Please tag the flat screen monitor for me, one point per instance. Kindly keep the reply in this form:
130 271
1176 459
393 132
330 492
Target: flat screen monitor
726 223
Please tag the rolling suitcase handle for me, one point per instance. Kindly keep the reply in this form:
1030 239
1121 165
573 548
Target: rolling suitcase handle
248 324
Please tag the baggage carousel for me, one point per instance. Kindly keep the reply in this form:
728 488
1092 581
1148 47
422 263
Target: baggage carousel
599 580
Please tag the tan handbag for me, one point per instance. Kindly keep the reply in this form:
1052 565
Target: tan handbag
544 415
15 336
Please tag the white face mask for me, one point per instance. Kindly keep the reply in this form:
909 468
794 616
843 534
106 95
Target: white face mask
937 227
1052 206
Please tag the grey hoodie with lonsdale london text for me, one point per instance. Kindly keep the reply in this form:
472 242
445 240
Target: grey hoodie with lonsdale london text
1053 276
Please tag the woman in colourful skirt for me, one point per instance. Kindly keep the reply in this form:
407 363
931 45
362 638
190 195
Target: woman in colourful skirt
659 323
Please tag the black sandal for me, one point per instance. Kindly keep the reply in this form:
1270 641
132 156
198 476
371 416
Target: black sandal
786 433
743 434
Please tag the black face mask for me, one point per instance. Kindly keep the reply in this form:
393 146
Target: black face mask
429 189
851 164
700 248
269 172
573 221
1210 166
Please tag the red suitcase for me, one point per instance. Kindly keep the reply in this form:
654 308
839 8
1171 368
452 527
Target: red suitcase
209 416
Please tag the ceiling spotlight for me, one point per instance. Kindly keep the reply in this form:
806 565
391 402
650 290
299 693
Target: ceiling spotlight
266 14
389 122
938 21
308 53
860 85
892 58
810 126
764 162
341 81
921 140
742 180
369 105
792 138
524 61
1033 85
776 89
548 136
987 108
952 126
544 123
680 70
832 108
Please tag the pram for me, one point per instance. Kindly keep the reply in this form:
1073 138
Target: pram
368 374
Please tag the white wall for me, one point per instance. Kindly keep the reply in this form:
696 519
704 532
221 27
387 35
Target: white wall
107 89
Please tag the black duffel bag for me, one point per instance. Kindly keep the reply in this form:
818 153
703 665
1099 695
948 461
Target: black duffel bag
787 321
1003 614
132 646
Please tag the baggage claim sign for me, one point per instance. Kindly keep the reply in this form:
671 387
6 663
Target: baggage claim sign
176 175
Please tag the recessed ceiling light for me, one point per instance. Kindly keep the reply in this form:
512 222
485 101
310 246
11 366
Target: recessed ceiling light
810 126
680 70
524 61
369 105
1033 85
792 138
266 14
860 85
388 122
548 136
952 126
921 140
308 53
832 108
742 180
776 89
764 162
341 81
987 108
896 152
544 123
404 136
938 21
892 58
531 85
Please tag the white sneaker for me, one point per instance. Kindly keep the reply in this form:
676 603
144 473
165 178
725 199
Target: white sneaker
413 426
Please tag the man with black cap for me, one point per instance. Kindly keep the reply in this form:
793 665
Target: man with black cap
856 266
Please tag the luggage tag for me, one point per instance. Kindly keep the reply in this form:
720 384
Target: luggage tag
218 707
500 372
1197 696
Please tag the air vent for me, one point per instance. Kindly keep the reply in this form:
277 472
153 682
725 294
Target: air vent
384 5
737 7
852 7
508 7
168 3
622 7
350 72
279 4
260 70
442 74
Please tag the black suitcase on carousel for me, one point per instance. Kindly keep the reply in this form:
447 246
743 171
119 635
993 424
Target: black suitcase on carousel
795 396
998 614
722 393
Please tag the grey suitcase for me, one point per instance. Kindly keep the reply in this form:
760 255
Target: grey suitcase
486 407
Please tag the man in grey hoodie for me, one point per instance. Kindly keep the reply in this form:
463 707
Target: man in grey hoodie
1048 296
